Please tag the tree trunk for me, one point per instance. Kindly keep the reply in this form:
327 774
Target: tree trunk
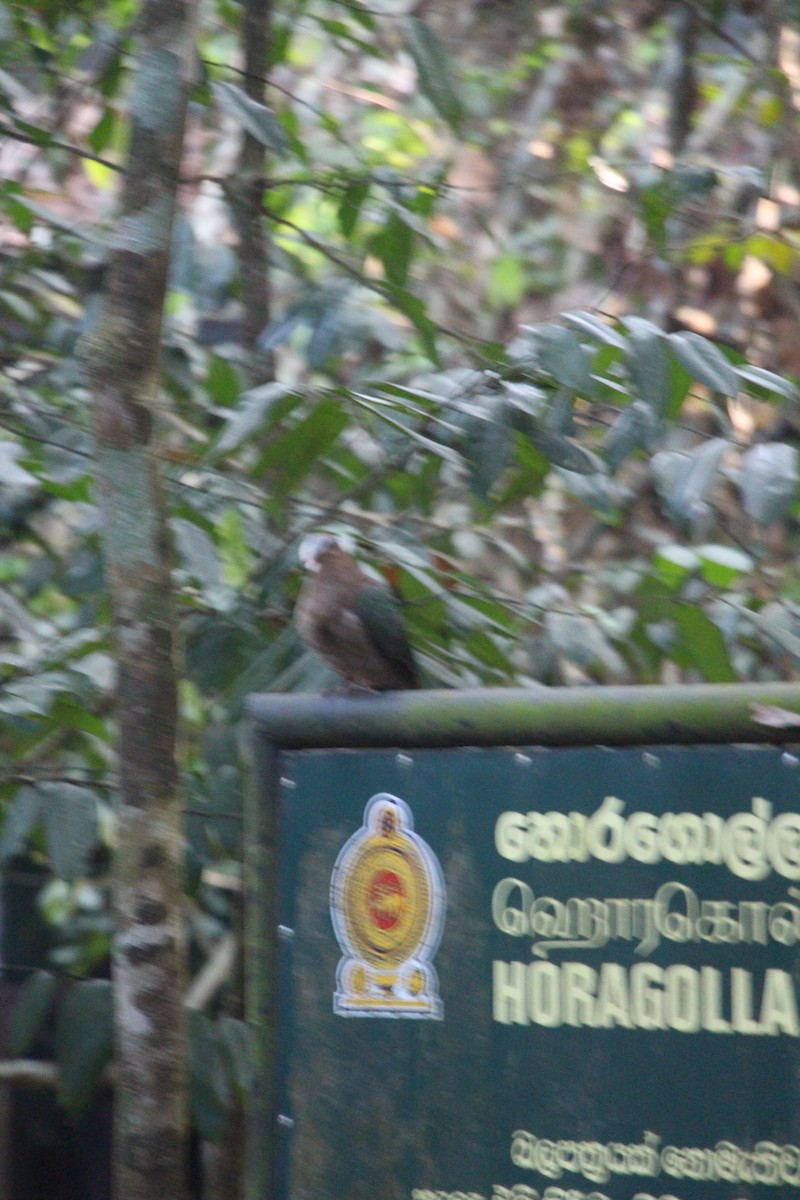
247 191
151 1112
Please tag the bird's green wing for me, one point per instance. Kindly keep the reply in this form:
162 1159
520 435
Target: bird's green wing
382 619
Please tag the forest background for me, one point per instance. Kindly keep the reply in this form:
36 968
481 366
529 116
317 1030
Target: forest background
505 292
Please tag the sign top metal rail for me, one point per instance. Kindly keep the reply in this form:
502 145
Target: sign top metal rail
610 716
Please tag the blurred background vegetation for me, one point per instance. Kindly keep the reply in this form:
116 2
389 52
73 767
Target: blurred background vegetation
508 293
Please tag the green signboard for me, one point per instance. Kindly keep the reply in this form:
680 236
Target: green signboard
538 974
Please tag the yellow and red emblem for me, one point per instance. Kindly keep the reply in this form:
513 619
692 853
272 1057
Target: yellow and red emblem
387 904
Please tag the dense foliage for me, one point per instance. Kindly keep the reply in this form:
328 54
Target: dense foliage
608 494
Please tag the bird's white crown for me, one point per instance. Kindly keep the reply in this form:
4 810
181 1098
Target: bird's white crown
312 547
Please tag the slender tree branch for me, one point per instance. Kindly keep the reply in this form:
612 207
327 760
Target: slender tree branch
719 31
54 144
374 285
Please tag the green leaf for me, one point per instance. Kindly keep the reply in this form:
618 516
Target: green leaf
705 362
70 823
595 489
564 453
209 1083
84 1041
648 366
350 205
560 412
694 181
393 247
11 474
776 252
103 177
251 415
768 381
238 1040
680 382
641 327
721 566
98 666
257 119
529 478
560 354
325 335
31 1009
597 328
19 307
78 488
103 131
34 695
631 431
533 401
235 554
581 640
775 622
196 551
66 712
507 282
768 481
771 111
488 449
20 214
674 563
484 648
281 327
701 646
656 205
363 16
216 653
415 310
222 382
686 480
21 817
299 450
434 74
339 30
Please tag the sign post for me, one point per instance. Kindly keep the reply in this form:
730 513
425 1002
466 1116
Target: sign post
523 946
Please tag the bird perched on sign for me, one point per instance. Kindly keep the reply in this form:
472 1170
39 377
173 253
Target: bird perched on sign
352 621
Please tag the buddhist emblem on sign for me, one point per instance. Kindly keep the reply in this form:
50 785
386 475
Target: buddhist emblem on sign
387 907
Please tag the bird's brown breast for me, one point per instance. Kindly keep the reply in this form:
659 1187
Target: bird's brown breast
326 618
